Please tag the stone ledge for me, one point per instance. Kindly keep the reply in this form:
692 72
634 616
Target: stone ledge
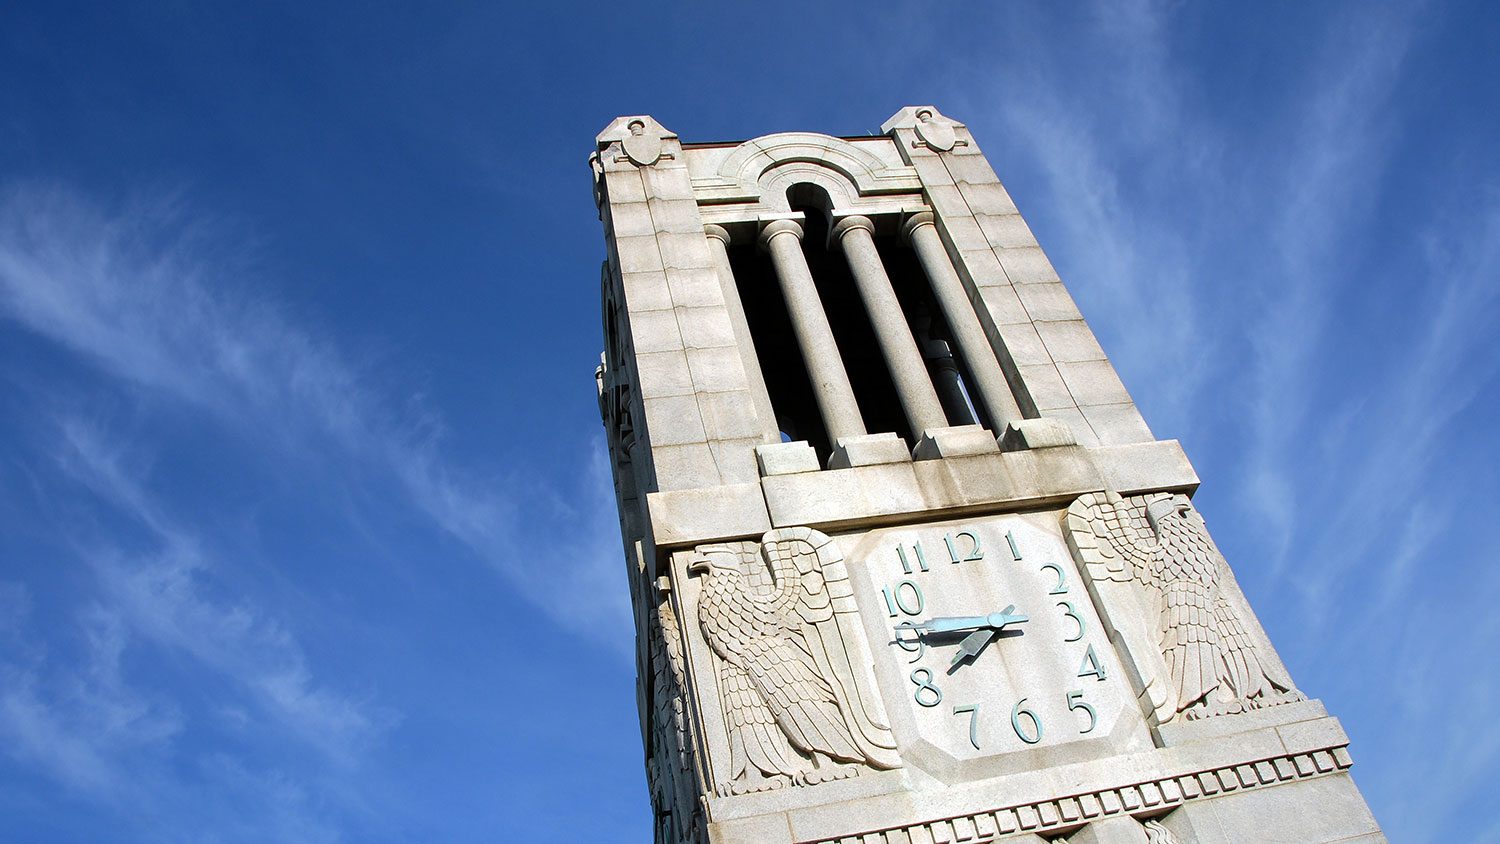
707 514
786 458
868 450
1149 794
1180 732
838 499
888 493
955 441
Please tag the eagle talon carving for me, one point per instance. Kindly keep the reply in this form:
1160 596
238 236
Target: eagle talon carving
1191 651
780 618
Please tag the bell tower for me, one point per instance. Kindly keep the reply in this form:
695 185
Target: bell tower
907 564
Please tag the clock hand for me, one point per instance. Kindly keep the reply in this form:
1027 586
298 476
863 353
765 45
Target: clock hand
971 646
995 621
954 624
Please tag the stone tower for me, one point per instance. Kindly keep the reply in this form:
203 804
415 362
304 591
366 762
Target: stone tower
907 564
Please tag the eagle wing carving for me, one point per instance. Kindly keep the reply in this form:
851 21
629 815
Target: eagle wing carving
1209 663
1109 536
778 616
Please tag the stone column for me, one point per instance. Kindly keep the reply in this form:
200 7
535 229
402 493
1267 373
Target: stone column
914 389
718 241
830 383
994 392
944 371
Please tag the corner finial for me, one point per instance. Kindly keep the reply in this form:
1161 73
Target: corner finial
640 137
932 128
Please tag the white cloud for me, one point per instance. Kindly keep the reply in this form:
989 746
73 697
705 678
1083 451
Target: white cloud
161 305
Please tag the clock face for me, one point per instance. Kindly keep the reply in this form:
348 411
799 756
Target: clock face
987 647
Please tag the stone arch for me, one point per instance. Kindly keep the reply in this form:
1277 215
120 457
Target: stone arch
762 169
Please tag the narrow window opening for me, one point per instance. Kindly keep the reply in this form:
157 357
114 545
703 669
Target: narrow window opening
928 323
781 362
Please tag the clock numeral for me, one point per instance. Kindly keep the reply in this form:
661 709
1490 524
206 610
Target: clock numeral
1015 553
1091 666
1075 703
1015 723
973 710
1072 613
922 677
921 558
974 555
895 599
915 645
1062 581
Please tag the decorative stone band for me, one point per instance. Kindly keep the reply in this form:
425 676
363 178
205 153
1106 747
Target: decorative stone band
1146 798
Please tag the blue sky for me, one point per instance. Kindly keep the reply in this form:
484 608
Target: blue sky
305 527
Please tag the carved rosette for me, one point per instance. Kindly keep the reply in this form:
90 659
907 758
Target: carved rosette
780 619
1164 589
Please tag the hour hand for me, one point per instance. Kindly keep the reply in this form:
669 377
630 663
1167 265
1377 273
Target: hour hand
970 647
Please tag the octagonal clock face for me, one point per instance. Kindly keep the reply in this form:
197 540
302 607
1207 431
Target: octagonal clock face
987 648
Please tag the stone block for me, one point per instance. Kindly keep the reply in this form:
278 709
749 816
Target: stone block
1046 387
868 450
719 370
1047 302
706 328
630 219
678 216
1004 306
696 287
736 459
673 420
1069 341
646 291
1025 344
1093 382
931 170
714 514
761 829
729 415
664 181
962 233
1073 417
622 186
840 497
684 466
786 458
1340 812
663 374
946 200
1005 231
971 169
1112 830
1117 424
638 254
981 268
989 198
1025 434
681 251
956 441
655 331
1027 265
1144 467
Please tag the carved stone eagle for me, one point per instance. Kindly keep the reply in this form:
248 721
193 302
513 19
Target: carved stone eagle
1209 663
780 616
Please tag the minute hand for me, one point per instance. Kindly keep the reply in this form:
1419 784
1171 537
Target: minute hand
995 621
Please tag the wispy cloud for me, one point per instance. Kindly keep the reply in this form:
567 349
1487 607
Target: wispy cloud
77 720
163 305
1249 254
